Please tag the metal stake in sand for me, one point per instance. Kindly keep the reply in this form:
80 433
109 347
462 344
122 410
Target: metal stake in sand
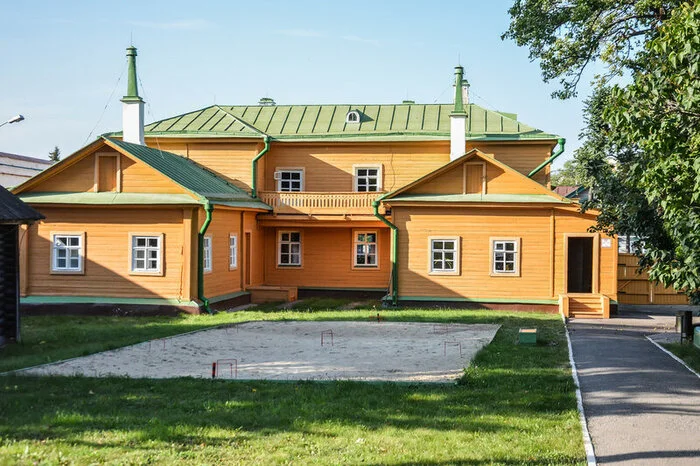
451 343
326 334
231 363
150 343
378 318
441 329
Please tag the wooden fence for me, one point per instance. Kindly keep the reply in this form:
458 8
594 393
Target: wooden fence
634 288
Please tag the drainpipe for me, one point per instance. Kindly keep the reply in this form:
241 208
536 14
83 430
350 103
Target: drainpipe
254 190
394 253
208 208
556 154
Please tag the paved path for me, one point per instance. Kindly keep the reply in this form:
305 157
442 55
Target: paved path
642 406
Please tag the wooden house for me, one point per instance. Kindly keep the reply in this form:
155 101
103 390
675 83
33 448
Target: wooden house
417 202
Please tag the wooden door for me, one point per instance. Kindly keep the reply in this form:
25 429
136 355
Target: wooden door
474 178
107 173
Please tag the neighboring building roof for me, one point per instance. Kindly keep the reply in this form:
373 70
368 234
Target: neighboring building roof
13 210
24 158
188 174
310 122
565 190
480 198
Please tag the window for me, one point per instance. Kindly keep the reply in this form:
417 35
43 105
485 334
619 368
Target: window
207 254
289 248
365 249
444 256
504 256
67 253
290 180
368 179
353 116
232 252
146 254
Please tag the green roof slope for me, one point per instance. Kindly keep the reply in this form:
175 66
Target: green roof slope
190 175
292 122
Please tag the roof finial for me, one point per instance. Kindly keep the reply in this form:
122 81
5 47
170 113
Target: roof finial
132 90
459 103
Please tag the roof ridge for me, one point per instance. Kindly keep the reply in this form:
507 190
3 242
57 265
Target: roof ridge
240 120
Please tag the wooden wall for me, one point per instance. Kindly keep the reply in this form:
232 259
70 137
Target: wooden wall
106 253
327 260
541 231
636 288
523 156
222 280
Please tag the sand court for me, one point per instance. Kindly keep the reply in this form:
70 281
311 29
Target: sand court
329 350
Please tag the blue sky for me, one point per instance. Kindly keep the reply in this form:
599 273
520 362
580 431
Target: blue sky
61 61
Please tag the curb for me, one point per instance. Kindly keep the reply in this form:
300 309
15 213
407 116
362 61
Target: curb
587 444
673 356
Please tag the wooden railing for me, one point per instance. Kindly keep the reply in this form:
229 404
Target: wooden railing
320 203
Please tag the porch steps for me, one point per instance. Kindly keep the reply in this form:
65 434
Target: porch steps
272 294
585 305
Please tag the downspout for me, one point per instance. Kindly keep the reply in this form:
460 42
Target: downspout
208 208
556 154
394 253
254 190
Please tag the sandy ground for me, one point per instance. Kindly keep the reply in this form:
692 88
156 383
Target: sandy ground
372 351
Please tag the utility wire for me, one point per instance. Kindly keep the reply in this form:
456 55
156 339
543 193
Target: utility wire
109 100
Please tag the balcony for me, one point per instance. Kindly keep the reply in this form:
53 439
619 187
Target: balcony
320 203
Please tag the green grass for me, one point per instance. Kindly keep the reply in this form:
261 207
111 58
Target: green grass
515 404
687 352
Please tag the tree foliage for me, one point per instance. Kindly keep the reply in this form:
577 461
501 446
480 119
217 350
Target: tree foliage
641 148
55 154
571 174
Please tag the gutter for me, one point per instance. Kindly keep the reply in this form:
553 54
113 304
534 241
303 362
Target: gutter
208 208
254 190
394 253
557 153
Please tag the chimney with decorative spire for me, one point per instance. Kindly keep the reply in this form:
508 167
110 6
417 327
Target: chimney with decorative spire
132 107
458 119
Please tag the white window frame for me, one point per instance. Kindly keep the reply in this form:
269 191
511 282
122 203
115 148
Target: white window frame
281 242
232 251
302 178
356 177
455 270
133 237
208 257
517 255
353 117
356 242
68 270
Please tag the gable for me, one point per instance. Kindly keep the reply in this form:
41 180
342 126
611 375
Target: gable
475 173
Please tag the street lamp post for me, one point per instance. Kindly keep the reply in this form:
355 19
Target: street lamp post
14 119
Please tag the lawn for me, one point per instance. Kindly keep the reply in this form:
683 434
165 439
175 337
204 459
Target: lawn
687 352
514 405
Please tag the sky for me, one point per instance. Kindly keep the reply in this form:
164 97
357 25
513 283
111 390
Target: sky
63 64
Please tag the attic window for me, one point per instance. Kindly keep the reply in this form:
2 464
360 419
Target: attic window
353 116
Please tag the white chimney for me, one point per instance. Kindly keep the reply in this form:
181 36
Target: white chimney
458 119
132 105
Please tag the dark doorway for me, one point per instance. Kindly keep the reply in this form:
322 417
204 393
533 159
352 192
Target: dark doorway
9 283
580 265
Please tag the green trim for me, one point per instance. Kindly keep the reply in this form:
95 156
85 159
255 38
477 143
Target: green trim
394 253
480 300
132 89
224 297
208 209
104 300
110 198
333 288
557 153
459 104
254 189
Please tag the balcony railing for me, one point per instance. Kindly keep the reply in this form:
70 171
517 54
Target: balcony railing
320 203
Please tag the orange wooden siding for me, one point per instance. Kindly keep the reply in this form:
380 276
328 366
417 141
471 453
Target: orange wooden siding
327 260
541 259
230 160
521 156
450 182
79 177
222 280
140 178
106 253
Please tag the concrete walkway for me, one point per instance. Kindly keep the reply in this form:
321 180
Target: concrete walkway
642 406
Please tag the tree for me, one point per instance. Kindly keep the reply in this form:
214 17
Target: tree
641 147
571 174
55 154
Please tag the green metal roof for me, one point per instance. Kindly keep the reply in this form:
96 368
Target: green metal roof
480 198
111 198
308 122
191 176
